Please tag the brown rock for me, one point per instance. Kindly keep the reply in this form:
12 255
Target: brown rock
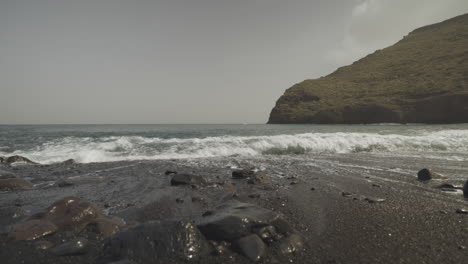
70 213
33 229
14 184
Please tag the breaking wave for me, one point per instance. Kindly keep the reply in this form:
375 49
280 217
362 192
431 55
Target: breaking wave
114 148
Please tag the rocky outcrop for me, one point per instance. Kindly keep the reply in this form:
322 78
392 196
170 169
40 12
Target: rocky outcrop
420 79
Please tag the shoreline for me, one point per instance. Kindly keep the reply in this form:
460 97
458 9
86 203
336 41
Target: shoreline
331 201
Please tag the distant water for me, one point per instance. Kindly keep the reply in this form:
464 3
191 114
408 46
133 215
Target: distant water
100 143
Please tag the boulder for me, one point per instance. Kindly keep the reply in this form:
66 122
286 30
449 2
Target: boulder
251 246
424 175
14 184
16 158
233 220
76 246
156 242
187 179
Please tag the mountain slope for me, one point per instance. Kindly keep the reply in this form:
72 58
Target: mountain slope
421 79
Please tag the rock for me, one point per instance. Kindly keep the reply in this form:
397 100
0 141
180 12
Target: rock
291 244
462 211
14 184
70 213
465 189
424 175
233 220
267 233
76 246
376 185
6 175
219 247
254 195
258 178
16 158
251 246
374 200
156 242
33 229
242 174
187 179
169 172
69 162
445 186
64 183
105 226
43 244
312 189
346 194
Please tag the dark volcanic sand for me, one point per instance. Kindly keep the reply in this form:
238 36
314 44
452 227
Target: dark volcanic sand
416 223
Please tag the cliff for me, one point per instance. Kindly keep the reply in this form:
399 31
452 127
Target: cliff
421 79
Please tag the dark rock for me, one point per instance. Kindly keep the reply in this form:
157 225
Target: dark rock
43 244
424 175
179 200
76 246
242 174
33 229
251 246
267 233
156 242
346 194
69 162
374 200
293 183
105 227
462 211
14 184
169 172
312 189
64 183
6 175
291 244
16 158
465 189
219 247
187 179
233 220
255 195
376 185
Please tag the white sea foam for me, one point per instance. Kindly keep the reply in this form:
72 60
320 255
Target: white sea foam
135 147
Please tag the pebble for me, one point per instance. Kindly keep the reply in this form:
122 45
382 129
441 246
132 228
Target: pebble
462 211
251 246
374 200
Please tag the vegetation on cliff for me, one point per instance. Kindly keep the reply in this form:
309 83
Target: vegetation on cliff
421 79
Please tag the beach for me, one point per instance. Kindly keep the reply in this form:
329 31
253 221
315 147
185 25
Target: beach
347 208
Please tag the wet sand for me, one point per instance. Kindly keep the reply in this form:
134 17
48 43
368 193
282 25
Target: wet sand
332 201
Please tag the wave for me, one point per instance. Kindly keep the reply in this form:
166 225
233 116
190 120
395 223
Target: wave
115 148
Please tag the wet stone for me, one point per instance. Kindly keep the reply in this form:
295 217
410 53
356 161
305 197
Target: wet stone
251 246
233 220
76 246
43 244
291 244
156 242
219 247
106 227
187 179
267 233
346 194
424 175
33 229
14 184
374 200
242 174
462 211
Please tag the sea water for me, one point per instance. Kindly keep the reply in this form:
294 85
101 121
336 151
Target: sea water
102 143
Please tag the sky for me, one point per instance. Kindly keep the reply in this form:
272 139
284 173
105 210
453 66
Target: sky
184 61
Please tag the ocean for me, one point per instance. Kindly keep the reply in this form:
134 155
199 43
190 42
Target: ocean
102 143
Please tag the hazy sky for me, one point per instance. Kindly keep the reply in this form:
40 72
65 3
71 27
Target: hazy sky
184 61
